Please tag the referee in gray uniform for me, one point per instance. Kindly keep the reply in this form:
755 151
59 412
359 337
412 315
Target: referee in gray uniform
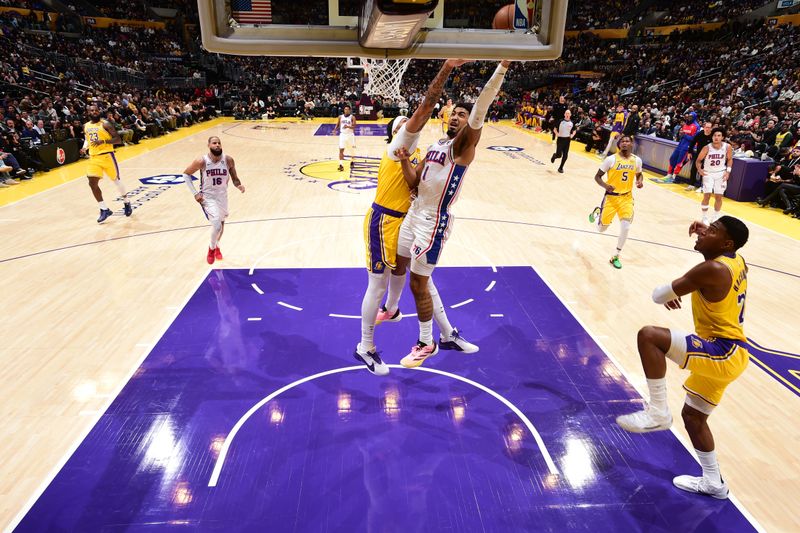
566 131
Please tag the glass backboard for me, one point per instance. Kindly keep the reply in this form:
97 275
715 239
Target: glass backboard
329 28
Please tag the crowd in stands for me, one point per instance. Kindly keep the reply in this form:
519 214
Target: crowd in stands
703 11
743 78
131 10
599 14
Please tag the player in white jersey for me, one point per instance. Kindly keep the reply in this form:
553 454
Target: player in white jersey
346 127
714 165
215 169
382 227
438 180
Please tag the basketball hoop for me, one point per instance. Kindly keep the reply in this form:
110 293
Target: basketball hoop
383 75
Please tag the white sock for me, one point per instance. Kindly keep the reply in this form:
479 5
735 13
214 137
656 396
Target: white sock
658 394
121 189
717 214
439 313
426 332
216 226
704 211
396 284
623 234
102 204
369 308
708 460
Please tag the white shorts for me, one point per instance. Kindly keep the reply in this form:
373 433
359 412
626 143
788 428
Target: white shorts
422 238
714 183
347 139
215 208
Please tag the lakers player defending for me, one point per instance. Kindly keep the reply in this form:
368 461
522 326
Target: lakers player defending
622 168
425 230
216 168
346 127
100 138
383 220
715 355
714 164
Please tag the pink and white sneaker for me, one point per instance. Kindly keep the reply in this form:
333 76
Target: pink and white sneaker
386 316
419 353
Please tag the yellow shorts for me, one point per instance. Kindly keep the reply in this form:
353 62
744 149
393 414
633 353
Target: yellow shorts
381 230
714 364
619 206
103 164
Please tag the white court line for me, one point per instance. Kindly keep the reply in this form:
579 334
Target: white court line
212 482
489 287
256 288
465 302
496 315
254 319
631 382
61 462
335 315
291 306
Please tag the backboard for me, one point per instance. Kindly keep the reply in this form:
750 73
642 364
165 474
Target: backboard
329 28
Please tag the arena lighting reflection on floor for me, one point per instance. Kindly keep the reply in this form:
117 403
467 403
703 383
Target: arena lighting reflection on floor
348 451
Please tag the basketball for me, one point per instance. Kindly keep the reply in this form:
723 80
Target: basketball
504 18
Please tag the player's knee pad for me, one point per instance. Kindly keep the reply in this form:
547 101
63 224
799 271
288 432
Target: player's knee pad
677 347
216 224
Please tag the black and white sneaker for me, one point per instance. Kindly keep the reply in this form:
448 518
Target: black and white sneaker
372 360
104 214
456 342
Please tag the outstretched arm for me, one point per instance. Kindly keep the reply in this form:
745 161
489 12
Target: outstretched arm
468 137
425 109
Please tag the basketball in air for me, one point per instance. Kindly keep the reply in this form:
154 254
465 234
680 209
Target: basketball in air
504 18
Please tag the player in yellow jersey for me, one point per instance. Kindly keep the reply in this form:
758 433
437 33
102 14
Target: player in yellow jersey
622 168
445 112
617 126
100 140
382 225
715 355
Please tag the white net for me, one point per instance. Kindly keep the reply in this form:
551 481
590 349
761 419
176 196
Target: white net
384 76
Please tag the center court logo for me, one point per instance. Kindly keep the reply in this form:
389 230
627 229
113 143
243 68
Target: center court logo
360 173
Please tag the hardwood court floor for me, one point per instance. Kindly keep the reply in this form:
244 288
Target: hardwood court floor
84 303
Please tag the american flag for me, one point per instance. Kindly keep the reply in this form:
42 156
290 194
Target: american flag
252 11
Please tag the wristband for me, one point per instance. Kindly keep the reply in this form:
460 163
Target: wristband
728 169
